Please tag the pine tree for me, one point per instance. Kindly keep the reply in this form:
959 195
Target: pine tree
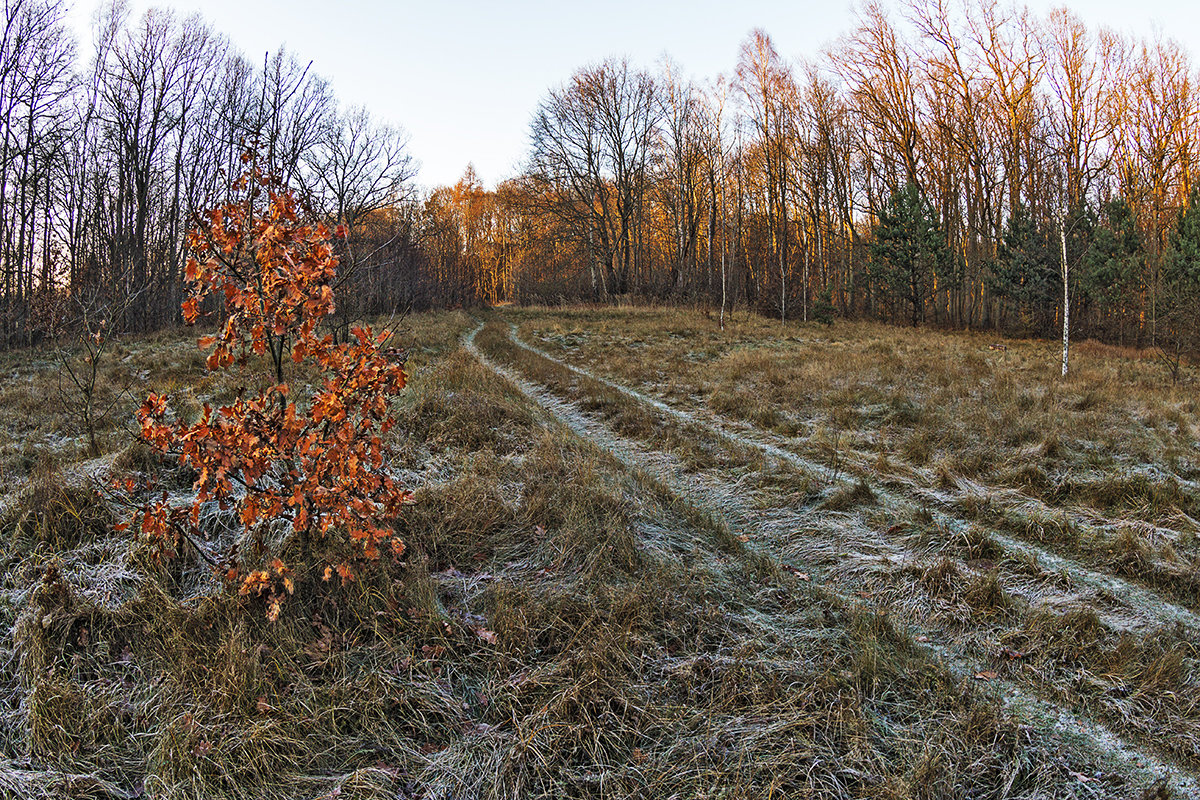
909 251
823 310
1111 268
1026 270
1179 301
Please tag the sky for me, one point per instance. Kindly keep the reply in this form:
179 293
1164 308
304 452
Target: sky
463 77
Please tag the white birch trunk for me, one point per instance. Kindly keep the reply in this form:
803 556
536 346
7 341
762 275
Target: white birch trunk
1066 301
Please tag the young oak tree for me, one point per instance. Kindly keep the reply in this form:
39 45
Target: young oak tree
316 462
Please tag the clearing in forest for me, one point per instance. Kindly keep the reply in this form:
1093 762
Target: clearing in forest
646 557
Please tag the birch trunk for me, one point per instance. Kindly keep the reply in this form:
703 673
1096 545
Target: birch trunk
1066 301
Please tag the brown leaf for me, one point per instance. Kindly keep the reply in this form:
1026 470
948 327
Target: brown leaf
796 571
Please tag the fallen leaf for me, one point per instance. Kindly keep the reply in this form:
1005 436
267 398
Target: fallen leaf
262 705
486 635
921 639
987 675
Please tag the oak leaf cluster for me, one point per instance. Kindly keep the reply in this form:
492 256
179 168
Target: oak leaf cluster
311 455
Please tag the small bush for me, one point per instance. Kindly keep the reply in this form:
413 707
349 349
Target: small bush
59 513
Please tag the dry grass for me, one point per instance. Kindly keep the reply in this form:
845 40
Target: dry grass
561 627
924 396
1112 446
976 585
35 395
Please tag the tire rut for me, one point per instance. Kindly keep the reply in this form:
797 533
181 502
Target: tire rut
1046 716
1140 601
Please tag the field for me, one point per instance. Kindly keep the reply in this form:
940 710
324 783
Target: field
647 558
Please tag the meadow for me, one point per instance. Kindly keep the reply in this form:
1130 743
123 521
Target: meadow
646 557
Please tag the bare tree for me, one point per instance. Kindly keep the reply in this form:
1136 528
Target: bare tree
590 146
769 92
681 179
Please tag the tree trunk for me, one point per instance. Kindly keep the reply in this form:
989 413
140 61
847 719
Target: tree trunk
1066 301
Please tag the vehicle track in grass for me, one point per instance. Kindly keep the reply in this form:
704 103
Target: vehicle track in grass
1140 600
1027 509
725 501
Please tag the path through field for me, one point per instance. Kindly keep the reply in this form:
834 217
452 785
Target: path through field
857 560
1139 600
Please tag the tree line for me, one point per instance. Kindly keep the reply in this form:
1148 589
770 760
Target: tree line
943 163
105 164
950 163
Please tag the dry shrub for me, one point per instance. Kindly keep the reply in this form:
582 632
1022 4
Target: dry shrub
57 512
1129 553
464 520
918 447
569 494
978 506
973 461
850 497
978 545
986 594
944 477
211 700
139 457
903 411
943 579
1076 638
1117 492
1027 476
1144 683
459 405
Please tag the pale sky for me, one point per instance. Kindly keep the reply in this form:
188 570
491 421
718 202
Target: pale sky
463 78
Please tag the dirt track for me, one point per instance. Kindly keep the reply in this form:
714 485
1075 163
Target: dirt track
845 552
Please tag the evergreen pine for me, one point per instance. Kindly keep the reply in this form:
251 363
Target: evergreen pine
1026 270
1179 300
1111 268
823 310
908 250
